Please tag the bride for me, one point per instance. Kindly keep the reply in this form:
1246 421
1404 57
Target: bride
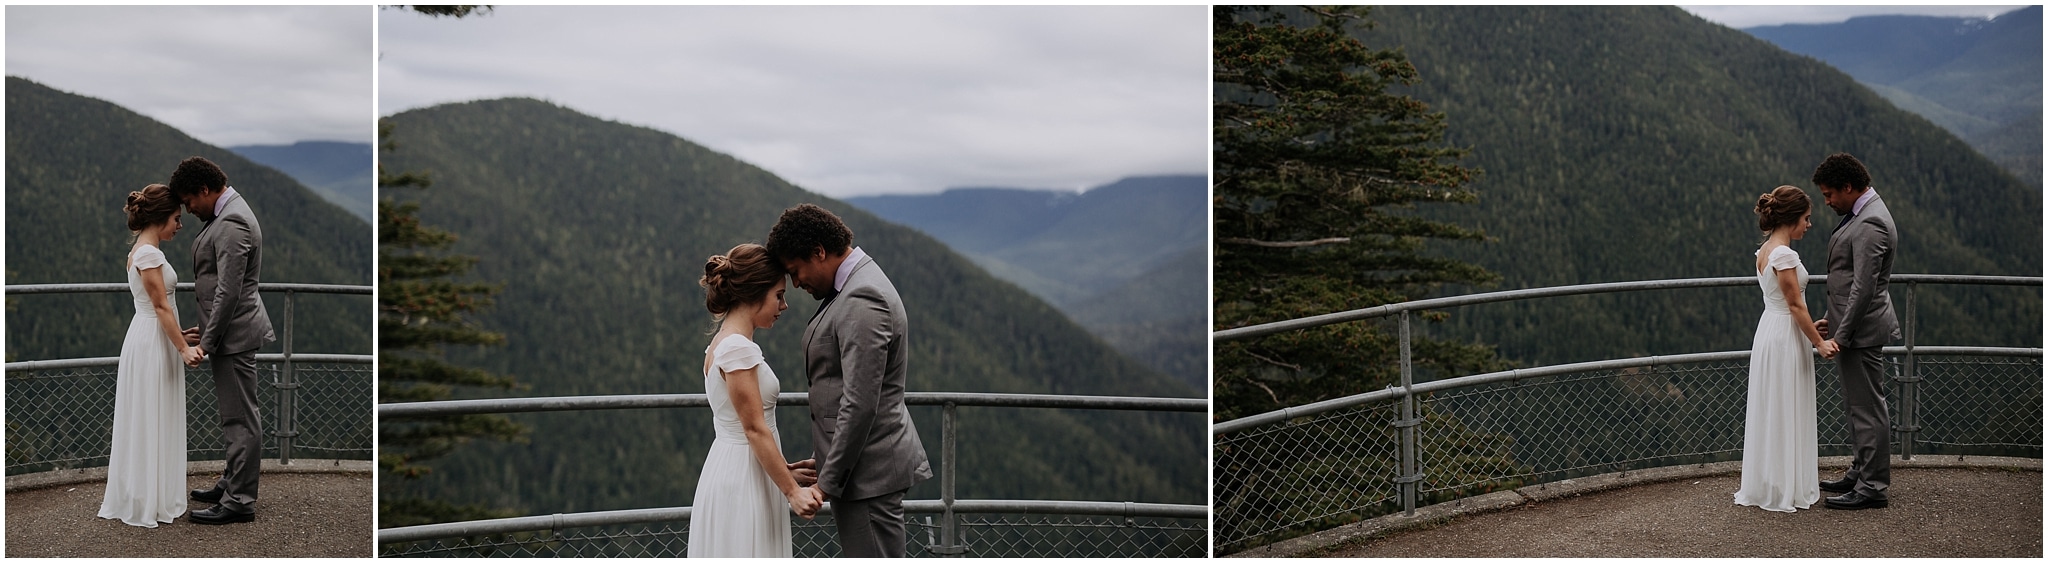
745 477
1780 454
146 469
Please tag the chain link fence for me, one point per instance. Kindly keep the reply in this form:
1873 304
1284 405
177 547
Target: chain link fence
63 418
1319 471
986 535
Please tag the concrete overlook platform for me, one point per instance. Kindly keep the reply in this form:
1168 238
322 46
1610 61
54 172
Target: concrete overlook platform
302 512
1942 506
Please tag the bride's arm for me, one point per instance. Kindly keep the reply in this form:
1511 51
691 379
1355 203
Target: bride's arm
166 319
1789 285
744 387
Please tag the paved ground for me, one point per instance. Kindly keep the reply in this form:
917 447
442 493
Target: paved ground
299 515
1933 513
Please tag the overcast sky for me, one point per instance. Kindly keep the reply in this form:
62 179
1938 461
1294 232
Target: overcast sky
847 100
1752 16
232 75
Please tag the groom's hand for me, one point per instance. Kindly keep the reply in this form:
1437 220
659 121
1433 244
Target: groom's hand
805 472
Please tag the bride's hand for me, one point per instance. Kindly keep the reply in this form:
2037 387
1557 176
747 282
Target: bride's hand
192 355
1828 349
803 502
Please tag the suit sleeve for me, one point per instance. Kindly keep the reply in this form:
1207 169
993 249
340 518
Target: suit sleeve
1866 251
863 362
231 258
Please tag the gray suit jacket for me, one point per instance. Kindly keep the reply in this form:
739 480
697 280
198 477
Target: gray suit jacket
855 352
1859 279
226 257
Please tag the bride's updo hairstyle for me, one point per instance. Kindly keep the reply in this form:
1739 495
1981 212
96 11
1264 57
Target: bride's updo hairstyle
1783 206
742 275
149 207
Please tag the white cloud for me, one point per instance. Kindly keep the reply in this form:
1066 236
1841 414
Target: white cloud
227 75
847 100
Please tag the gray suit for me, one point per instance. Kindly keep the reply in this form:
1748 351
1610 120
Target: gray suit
856 354
1860 319
226 257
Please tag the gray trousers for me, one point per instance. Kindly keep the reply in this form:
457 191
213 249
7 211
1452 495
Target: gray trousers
871 527
241 426
1870 422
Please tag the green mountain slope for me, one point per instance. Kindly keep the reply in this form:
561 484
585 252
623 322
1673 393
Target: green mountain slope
599 231
1142 239
70 162
1630 143
344 173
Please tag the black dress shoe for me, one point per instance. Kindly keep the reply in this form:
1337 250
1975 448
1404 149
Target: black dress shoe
1855 501
211 494
221 515
1841 486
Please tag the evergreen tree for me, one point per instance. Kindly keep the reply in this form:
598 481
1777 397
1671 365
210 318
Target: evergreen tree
419 311
1317 170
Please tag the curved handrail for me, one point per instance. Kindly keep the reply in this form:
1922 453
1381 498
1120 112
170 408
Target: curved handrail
187 286
1253 331
70 363
698 400
1395 392
651 515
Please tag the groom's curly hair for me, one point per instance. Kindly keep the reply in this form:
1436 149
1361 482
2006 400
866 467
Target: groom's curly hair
1841 171
807 227
197 174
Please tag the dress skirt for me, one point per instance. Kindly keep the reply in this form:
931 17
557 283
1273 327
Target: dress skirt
1780 452
146 466
738 511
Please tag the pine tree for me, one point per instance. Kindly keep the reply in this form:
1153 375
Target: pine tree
1318 167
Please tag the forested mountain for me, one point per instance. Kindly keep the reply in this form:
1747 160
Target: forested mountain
1978 78
599 230
1126 259
344 173
1630 143
71 161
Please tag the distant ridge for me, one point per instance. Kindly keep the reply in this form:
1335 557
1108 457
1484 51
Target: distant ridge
1978 78
1142 239
342 172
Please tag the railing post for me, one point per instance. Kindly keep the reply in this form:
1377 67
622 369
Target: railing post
949 531
1408 477
1909 402
287 386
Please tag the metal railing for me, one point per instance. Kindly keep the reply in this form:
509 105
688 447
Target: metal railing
1314 466
1105 528
60 412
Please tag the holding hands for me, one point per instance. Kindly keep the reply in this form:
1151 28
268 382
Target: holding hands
1827 348
805 501
805 472
192 354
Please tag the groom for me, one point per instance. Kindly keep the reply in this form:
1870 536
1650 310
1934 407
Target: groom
866 453
226 257
1859 318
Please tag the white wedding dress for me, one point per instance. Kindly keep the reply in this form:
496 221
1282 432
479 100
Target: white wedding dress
738 511
146 468
1780 453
